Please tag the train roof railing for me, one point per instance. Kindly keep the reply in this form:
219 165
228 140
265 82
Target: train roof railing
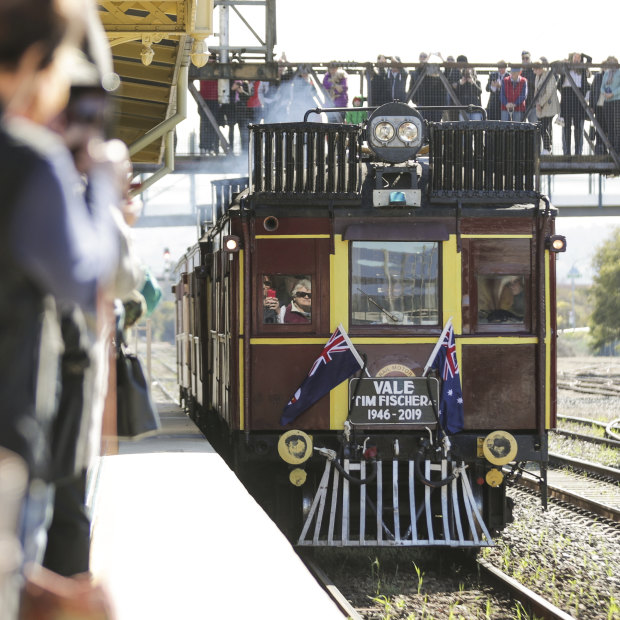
305 160
491 161
484 160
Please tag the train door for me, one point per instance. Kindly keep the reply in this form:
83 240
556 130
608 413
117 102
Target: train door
290 317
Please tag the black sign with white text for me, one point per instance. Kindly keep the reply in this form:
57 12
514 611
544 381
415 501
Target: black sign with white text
394 400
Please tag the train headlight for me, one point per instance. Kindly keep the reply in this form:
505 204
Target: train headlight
407 132
384 131
557 243
232 243
396 132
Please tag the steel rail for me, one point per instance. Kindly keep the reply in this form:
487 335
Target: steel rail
334 593
610 443
573 499
592 468
536 605
577 420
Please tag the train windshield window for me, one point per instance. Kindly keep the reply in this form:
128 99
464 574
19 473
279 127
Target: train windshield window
501 299
394 283
287 298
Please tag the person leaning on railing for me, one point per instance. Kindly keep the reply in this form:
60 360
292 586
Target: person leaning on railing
610 91
547 102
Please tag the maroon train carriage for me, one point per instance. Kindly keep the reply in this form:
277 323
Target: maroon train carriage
352 228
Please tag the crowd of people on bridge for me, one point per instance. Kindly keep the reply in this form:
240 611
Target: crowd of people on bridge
65 262
535 91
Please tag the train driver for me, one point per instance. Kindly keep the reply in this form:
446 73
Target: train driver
300 308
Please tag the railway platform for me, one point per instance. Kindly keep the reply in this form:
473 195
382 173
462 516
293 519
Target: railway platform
176 535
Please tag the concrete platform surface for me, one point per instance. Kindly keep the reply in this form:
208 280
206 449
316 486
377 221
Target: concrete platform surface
177 537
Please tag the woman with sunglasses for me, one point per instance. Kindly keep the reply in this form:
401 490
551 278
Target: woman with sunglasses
300 308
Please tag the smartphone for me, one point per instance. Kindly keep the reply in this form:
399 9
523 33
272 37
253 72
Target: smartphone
271 292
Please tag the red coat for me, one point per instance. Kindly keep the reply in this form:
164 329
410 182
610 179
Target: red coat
514 93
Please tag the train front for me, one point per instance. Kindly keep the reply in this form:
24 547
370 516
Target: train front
394 341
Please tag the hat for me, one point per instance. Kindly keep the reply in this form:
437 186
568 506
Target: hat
525 53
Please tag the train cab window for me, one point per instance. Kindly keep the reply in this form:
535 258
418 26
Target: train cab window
501 299
394 283
287 298
497 285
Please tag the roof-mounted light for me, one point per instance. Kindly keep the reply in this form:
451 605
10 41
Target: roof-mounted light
396 132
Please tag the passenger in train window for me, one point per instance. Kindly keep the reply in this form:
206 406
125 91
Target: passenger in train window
501 299
512 298
299 310
271 305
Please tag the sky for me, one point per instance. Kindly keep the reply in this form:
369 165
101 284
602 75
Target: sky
358 30
484 31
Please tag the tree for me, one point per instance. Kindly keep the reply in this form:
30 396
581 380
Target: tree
605 291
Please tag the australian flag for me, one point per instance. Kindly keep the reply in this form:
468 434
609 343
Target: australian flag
337 362
451 397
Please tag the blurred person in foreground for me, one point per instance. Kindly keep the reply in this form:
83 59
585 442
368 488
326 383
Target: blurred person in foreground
54 248
104 167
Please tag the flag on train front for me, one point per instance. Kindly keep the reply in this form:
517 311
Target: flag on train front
337 362
451 397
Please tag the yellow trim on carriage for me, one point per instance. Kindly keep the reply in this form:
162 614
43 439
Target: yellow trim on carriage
475 236
499 340
241 391
321 236
548 337
451 264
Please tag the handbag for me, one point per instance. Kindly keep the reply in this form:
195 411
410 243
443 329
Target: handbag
136 413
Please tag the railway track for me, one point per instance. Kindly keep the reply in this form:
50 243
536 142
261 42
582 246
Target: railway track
534 605
598 492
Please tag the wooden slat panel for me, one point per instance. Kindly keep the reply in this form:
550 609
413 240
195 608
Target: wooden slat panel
138 71
147 109
138 122
145 92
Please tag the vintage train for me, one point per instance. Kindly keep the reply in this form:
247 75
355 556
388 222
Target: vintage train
380 235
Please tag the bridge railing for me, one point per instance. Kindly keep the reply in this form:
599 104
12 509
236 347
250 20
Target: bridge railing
576 120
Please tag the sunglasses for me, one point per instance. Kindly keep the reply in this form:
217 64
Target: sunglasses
300 294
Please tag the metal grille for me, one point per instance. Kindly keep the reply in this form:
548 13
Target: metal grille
490 160
305 159
394 512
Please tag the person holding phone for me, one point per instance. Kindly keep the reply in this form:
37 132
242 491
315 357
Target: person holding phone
271 304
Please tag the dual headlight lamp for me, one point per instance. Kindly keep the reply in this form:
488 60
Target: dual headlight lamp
396 132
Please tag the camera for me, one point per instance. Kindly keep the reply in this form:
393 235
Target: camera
494 76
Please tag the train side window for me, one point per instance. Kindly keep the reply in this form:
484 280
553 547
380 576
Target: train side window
394 283
497 285
287 298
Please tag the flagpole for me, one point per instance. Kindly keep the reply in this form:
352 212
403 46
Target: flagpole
436 349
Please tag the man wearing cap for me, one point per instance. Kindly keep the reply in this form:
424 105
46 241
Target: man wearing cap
513 96
494 86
